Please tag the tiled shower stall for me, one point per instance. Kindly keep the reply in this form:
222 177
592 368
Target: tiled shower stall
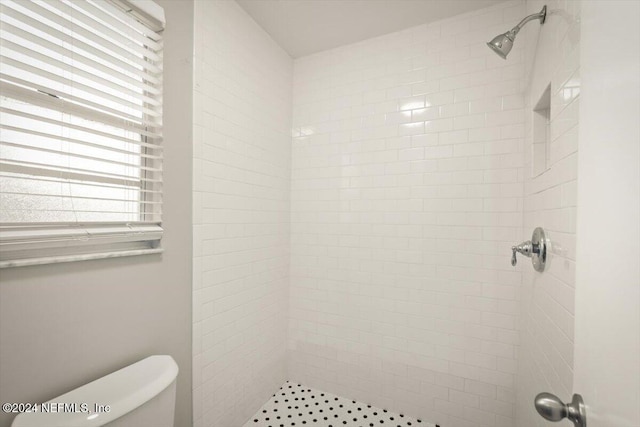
406 198
354 212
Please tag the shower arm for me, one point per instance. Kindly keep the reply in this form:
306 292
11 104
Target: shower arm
540 15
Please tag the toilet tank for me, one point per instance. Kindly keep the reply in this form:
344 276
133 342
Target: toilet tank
139 395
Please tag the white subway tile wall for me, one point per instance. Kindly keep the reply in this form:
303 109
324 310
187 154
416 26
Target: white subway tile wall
241 182
410 180
547 335
407 195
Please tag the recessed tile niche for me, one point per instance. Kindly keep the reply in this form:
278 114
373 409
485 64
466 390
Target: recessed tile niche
540 155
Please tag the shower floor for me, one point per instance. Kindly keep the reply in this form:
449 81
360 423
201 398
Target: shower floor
297 405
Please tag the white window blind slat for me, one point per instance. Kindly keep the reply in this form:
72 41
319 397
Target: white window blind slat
10 193
61 105
80 131
122 79
102 42
84 129
85 48
65 95
69 153
83 187
48 185
124 38
115 26
123 92
80 142
128 19
73 210
76 85
67 177
23 166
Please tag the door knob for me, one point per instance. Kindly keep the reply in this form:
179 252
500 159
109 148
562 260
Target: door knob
551 408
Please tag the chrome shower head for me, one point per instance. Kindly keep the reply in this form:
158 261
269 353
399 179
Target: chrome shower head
502 44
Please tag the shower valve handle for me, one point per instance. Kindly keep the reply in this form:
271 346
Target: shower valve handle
525 248
536 249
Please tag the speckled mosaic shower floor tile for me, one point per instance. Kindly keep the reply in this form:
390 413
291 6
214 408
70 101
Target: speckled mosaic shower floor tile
297 405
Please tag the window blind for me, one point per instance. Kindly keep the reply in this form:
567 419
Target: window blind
80 130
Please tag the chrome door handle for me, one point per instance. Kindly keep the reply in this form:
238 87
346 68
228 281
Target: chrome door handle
551 408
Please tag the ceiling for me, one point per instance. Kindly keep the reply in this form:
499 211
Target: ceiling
303 27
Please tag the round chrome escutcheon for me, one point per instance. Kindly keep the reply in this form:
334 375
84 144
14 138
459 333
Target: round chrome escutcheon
539 252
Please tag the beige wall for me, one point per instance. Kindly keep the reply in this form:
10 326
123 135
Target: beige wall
64 325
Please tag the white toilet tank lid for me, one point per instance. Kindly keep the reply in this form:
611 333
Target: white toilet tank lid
123 391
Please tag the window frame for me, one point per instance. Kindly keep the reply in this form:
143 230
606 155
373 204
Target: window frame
33 243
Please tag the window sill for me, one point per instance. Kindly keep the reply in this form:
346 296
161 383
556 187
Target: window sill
72 258
27 246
